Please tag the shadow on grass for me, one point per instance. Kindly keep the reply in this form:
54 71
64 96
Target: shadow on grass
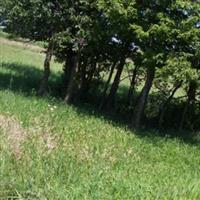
24 79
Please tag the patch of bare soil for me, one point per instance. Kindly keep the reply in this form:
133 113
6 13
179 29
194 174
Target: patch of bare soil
25 45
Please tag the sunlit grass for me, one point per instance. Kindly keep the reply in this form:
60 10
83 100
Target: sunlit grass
75 153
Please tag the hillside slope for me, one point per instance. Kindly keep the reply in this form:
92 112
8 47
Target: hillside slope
49 150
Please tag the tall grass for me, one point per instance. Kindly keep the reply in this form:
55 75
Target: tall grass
75 153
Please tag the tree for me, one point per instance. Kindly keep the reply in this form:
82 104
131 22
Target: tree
38 20
159 30
93 38
119 15
75 43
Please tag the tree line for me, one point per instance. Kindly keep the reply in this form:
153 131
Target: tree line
155 43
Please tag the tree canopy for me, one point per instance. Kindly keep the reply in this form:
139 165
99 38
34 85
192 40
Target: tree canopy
156 43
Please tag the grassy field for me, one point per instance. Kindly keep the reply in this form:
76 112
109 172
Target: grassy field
49 150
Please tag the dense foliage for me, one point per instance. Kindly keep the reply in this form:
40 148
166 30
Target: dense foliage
157 43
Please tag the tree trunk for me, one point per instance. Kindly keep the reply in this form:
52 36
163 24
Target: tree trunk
86 79
72 79
191 94
139 111
111 97
107 85
67 72
132 87
44 83
163 108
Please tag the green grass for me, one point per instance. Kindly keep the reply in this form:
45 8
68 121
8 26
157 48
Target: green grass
3 34
23 40
93 157
21 69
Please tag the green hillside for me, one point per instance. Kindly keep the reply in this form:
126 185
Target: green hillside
49 150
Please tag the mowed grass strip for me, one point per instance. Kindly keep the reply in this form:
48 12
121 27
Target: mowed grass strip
73 153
